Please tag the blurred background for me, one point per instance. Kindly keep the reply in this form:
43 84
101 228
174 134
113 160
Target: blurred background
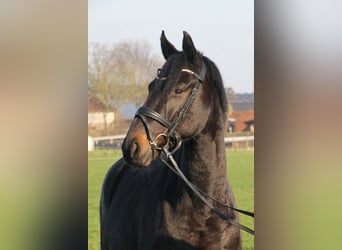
298 141
43 107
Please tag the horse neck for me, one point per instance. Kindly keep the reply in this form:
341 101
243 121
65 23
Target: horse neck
206 166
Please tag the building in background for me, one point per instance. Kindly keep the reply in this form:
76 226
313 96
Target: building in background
97 114
241 121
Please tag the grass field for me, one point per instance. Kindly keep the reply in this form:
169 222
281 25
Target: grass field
240 173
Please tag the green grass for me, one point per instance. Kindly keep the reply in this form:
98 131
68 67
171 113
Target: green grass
240 172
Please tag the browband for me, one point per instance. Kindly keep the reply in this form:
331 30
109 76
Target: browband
199 77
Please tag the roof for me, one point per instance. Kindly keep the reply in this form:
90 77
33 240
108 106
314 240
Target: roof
242 119
242 106
94 105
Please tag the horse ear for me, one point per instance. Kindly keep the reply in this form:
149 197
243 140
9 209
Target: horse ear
189 48
168 48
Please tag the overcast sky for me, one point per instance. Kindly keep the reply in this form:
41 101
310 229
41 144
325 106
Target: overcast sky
222 29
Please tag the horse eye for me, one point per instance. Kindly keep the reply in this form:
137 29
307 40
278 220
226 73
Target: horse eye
158 72
179 91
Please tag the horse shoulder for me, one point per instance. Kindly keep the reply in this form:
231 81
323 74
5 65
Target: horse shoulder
109 187
111 182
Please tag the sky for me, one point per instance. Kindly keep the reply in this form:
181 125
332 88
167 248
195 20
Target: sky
221 29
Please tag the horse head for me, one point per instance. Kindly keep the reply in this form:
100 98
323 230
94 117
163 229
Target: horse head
177 106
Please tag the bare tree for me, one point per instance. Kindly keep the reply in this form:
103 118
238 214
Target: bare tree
230 93
100 83
136 66
119 74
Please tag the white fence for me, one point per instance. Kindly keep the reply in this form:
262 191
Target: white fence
239 139
115 141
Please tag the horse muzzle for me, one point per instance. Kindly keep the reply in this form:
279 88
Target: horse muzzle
137 150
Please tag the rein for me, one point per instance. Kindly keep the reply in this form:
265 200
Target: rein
199 193
171 140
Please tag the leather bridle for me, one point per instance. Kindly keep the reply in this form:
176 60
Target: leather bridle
171 137
171 140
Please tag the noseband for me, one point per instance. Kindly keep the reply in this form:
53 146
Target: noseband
171 138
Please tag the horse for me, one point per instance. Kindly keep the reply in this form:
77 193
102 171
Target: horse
145 205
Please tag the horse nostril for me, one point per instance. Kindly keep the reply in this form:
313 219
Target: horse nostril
134 149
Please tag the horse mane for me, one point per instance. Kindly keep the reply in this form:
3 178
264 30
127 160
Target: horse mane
215 76
217 82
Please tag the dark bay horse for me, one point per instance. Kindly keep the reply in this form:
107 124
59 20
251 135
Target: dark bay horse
146 206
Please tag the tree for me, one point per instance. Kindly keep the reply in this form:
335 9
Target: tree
100 79
230 93
136 66
120 73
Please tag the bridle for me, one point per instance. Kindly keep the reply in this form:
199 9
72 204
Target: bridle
171 141
171 137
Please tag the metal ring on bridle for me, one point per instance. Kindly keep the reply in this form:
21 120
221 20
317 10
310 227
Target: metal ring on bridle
158 146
